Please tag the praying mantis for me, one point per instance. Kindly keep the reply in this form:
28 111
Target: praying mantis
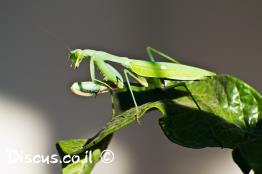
151 74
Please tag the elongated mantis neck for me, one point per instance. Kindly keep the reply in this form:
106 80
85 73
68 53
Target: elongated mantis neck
101 55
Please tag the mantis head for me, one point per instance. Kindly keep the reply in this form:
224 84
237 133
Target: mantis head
76 56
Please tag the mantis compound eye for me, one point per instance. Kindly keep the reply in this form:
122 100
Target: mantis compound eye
79 54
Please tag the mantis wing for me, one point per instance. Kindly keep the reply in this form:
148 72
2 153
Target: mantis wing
168 70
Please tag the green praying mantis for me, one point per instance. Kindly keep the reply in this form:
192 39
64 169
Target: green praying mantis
150 74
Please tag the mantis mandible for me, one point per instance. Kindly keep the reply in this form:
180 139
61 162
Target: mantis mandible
147 73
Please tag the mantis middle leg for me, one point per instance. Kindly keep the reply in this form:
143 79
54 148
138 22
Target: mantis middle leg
143 83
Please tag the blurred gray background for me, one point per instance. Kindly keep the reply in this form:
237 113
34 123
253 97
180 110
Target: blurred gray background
224 36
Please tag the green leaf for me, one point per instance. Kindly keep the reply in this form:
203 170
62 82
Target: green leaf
240 160
251 153
70 146
83 167
74 148
230 114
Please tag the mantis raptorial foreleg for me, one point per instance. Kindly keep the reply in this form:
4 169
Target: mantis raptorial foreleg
151 50
93 78
92 74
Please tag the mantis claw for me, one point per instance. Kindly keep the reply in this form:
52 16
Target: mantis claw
136 117
138 122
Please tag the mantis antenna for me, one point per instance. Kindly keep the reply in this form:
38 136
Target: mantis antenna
58 39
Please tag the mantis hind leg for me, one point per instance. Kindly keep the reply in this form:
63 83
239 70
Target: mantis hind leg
151 50
184 85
